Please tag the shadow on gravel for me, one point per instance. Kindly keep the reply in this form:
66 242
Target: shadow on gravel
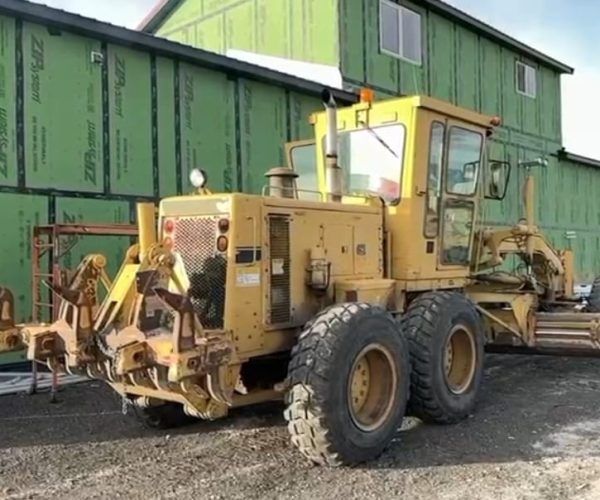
530 407
92 413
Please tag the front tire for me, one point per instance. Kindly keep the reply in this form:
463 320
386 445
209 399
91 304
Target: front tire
446 340
349 378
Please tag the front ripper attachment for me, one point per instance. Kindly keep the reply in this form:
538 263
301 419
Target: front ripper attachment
212 354
180 362
68 342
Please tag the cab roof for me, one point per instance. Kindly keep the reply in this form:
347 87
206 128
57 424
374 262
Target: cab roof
426 102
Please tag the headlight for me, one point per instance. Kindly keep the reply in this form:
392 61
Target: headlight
198 178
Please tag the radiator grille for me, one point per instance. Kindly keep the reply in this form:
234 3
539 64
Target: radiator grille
195 240
279 240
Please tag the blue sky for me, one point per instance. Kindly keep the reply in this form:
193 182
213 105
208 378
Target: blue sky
565 29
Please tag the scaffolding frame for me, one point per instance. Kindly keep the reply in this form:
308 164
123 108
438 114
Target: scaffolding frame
52 240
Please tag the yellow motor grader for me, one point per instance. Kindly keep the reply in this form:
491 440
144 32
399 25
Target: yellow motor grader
361 286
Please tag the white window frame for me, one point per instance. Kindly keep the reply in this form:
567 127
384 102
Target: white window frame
399 55
530 71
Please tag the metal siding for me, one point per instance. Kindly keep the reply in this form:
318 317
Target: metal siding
413 79
63 111
467 71
272 28
352 54
301 107
208 34
543 178
75 211
262 131
130 121
23 212
511 101
240 22
299 45
8 99
305 30
167 173
321 28
442 65
549 104
207 126
491 77
382 69
212 7
186 12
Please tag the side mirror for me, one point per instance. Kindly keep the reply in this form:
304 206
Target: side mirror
496 182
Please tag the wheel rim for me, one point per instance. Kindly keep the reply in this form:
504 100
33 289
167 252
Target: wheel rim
460 358
372 387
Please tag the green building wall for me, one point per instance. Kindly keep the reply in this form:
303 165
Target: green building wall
83 139
305 30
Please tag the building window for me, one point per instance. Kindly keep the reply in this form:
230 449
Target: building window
400 32
526 80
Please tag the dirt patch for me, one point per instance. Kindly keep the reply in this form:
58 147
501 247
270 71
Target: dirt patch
536 434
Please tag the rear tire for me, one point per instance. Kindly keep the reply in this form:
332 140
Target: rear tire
446 341
349 379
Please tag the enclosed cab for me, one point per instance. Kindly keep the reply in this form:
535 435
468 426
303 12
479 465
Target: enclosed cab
424 159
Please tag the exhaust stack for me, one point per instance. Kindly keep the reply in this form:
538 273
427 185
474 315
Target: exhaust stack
333 172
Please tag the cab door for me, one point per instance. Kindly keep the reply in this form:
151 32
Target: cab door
464 147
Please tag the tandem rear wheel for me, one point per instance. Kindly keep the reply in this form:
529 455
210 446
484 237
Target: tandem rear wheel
446 342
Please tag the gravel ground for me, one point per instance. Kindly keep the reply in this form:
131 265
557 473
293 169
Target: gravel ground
536 434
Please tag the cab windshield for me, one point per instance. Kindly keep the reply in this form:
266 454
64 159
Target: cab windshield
371 158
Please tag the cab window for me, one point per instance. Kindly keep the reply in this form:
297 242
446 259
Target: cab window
464 161
304 163
456 232
372 160
434 181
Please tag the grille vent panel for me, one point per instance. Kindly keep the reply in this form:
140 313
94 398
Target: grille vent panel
280 294
195 240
